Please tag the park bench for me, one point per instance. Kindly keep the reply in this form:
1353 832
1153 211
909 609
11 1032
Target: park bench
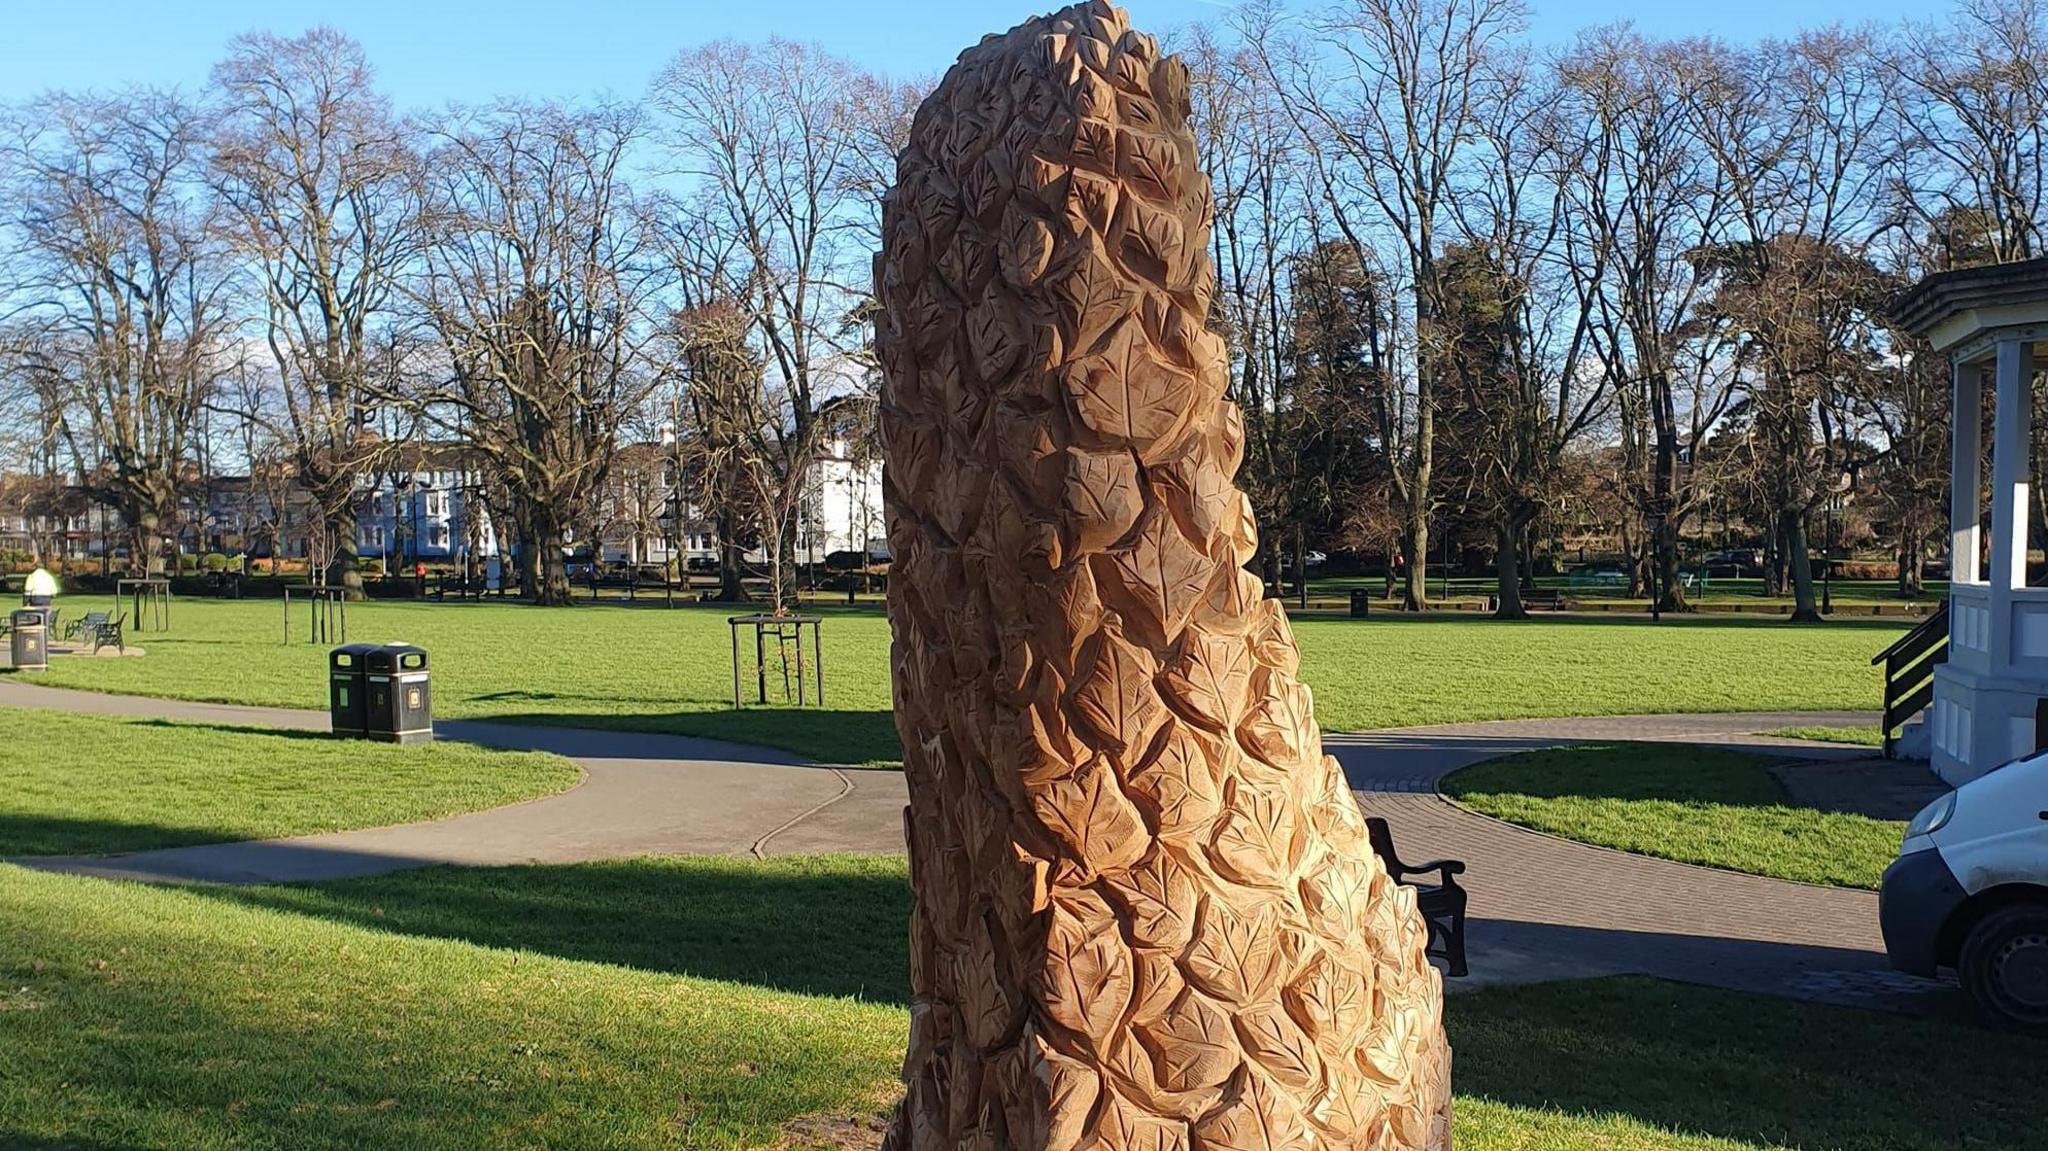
100 629
1442 904
1548 599
80 628
109 632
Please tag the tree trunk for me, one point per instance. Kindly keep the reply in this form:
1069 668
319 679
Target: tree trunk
1507 569
1912 567
1269 569
529 555
550 575
1800 566
1415 595
1301 565
345 570
731 571
144 556
1670 585
1145 912
1774 560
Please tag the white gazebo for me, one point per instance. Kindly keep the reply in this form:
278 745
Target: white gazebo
1989 696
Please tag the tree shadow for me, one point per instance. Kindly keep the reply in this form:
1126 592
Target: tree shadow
1748 1067
1629 772
27 835
810 924
857 738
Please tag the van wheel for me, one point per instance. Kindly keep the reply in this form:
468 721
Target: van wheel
2004 967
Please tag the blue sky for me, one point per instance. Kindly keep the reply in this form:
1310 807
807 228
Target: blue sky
429 52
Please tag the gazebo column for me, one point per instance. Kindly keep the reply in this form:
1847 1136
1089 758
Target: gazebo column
1966 474
2011 470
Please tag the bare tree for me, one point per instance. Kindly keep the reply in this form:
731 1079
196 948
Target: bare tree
536 282
1643 194
784 149
1389 96
126 288
316 171
1244 141
1970 114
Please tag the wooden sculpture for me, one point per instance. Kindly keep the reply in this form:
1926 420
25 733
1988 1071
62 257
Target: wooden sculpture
1146 913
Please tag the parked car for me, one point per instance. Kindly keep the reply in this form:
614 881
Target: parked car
1969 891
1735 563
1598 575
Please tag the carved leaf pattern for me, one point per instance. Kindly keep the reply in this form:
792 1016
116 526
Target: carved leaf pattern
1145 916
1086 977
1192 1045
1209 677
1235 955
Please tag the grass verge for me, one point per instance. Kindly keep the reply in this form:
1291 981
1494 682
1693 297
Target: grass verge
85 784
650 668
1691 804
138 1017
1860 736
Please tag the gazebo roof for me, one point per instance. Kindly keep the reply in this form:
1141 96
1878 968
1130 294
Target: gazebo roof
1951 308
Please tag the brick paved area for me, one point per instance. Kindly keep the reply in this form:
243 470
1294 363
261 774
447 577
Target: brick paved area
1544 907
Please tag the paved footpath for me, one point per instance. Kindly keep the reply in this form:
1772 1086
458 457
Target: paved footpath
642 794
1542 908
1548 908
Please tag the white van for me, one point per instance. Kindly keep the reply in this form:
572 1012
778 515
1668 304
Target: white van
1970 891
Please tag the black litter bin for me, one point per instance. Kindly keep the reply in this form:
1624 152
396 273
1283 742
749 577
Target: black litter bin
28 642
348 689
1361 602
399 707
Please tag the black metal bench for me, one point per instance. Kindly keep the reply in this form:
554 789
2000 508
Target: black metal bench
107 632
81 627
1442 904
98 628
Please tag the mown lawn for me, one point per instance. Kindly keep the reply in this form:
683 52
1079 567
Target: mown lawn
671 670
1693 804
356 1015
1861 736
94 784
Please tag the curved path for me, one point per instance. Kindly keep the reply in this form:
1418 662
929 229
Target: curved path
1541 907
1548 908
642 794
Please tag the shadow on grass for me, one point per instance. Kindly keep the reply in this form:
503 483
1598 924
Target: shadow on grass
817 925
1747 1067
1674 772
857 738
26 835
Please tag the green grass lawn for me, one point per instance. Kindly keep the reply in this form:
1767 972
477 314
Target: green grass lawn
357 1015
1746 592
1692 804
94 784
1861 736
671 670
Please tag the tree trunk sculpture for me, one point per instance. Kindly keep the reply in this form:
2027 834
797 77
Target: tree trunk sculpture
1146 912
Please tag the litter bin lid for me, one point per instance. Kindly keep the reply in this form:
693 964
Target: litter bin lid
29 617
350 655
396 657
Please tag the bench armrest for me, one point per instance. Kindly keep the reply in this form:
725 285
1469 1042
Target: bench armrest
1448 867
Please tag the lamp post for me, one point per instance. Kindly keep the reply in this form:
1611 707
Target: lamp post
1827 574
